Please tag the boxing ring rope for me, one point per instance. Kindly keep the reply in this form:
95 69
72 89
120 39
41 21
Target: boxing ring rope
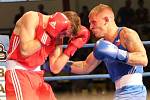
93 76
80 77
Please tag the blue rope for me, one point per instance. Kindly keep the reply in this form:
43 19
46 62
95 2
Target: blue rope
79 77
146 42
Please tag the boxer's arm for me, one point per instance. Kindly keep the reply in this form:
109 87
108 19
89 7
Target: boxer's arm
137 53
27 25
58 59
57 52
77 42
85 67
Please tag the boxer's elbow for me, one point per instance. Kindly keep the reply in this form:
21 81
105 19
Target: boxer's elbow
24 53
138 59
144 59
55 69
28 50
145 62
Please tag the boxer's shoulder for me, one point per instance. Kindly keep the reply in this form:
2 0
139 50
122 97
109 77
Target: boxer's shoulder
128 31
30 15
29 19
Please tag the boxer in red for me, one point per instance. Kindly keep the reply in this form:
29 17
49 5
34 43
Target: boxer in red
34 38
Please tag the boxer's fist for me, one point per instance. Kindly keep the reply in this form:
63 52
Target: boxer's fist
57 23
105 49
78 41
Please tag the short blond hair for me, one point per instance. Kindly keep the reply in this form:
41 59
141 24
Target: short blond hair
100 8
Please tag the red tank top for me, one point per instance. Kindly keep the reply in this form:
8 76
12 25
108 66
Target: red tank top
38 58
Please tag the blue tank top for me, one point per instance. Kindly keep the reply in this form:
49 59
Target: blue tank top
118 69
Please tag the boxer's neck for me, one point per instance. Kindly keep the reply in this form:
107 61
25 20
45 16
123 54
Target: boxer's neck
112 33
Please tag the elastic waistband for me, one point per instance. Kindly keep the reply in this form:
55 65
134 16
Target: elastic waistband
12 64
130 79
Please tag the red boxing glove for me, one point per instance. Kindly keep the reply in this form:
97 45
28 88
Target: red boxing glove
57 23
42 36
78 41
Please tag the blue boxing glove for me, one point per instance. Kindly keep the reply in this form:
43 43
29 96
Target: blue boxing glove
105 49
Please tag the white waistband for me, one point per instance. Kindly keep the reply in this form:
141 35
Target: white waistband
130 79
12 64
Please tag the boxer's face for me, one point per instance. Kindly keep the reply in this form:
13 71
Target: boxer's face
97 25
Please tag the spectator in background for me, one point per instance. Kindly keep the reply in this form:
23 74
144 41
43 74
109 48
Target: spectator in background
141 13
141 20
21 12
84 16
126 15
41 9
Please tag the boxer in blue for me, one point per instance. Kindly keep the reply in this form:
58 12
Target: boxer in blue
121 50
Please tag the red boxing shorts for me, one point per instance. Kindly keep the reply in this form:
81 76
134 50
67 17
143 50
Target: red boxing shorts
27 85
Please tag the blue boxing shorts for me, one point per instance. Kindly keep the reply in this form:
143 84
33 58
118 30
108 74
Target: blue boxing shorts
133 92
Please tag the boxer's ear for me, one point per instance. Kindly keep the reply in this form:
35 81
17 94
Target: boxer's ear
106 19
